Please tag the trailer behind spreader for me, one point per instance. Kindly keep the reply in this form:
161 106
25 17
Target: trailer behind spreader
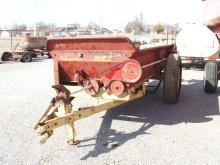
199 46
27 49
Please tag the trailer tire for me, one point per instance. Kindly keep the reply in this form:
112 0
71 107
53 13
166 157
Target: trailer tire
34 55
6 56
172 79
27 57
49 56
210 78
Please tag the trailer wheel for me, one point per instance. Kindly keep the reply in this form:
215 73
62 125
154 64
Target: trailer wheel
49 56
34 55
172 79
27 57
210 78
6 56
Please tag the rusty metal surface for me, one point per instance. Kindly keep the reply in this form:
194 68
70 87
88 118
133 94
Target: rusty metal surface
215 29
105 59
31 43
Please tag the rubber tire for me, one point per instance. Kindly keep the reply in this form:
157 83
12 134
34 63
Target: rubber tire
49 56
34 55
6 56
27 57
210 78
172 79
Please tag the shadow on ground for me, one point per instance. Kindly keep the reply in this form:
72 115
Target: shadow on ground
194 106
40 59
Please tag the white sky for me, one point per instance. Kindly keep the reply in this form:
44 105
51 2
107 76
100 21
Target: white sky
109 13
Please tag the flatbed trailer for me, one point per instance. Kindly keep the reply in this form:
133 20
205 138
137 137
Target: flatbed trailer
112 70
26 49
199 47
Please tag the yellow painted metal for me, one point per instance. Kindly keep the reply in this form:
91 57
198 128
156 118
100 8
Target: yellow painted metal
70 117
48 114
71 133
62 111
56 112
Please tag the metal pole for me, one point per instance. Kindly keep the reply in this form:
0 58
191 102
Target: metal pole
172 35
11 42
35 26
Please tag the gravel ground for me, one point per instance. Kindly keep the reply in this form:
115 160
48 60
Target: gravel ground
145 131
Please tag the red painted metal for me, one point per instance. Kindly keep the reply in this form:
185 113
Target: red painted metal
117 87
131 71
215 29
105 59
92 86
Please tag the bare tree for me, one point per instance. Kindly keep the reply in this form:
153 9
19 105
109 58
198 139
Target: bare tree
18 28
135 26
41 26
22 27
52 26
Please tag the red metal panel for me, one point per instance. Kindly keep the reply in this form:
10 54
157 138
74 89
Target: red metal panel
91 43
104 59
95 55
152 60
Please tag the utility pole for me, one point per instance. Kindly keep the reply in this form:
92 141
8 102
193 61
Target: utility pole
35 28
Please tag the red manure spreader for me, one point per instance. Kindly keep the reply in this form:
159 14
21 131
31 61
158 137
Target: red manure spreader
111 69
